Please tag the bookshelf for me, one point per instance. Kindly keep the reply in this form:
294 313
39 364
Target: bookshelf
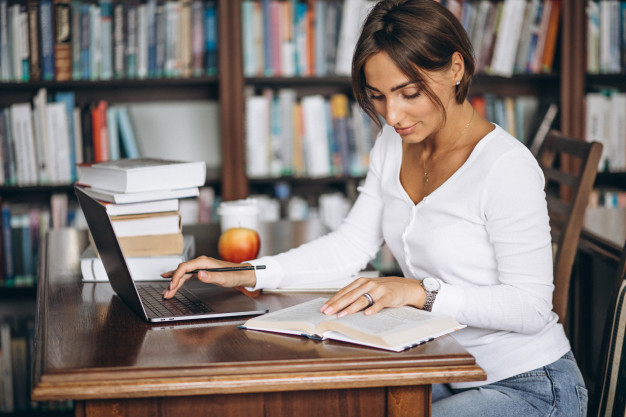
566 85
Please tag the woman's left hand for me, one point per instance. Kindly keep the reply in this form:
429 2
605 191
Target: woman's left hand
385 292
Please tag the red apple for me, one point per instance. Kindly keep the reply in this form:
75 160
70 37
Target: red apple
239 244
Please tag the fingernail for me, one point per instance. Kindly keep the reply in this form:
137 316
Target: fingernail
341 314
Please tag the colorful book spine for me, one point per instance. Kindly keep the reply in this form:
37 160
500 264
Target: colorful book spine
68 98
7 243
47 39
106 39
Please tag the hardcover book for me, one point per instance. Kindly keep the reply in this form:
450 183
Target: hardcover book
394 329
142 175
122 198
142 268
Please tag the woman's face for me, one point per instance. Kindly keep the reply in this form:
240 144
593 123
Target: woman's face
402 103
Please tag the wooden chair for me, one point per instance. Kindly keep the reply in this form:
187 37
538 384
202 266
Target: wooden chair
570 167
609 397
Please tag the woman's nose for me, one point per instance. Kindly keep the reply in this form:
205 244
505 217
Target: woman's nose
392 113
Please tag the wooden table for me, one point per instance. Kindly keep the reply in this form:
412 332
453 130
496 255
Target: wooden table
91 348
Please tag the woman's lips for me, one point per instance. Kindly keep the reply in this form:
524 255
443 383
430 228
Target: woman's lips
404 130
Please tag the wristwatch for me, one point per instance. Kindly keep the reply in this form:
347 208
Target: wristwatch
431 286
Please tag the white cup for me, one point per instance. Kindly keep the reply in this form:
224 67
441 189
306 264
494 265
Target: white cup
239 213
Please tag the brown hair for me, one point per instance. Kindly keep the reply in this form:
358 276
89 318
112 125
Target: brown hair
418 36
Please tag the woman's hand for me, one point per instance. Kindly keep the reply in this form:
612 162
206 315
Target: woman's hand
223 279
385 292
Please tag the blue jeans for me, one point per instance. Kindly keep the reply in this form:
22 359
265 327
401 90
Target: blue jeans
555 390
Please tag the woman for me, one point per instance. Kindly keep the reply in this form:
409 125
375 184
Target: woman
461 205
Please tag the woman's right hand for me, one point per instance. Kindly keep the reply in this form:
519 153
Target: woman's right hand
224 279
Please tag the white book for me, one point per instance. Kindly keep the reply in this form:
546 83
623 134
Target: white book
142 174
596 104
40 125
316 132
142 268
287 41
605 36
257 136
352 17
142 41
617 131
155 206
125 198
394 329
59 138
150 224
24 143
287 98
510 27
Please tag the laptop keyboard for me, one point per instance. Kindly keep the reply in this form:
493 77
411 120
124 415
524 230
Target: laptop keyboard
183 303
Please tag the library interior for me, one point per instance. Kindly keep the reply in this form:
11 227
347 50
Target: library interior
250 103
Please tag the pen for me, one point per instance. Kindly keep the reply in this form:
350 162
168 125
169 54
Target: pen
229 268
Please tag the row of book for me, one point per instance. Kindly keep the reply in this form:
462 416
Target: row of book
308 136
42 141
291 38
318 137
606 123
608 198
64 40
296 38
16 358
511 36
522 115
23 228
606 36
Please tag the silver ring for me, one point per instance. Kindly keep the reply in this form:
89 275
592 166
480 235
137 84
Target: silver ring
369 298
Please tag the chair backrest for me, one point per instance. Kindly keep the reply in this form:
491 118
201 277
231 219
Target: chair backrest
609 398
570 166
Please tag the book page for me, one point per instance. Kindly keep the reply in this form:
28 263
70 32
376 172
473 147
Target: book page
389 320
305 317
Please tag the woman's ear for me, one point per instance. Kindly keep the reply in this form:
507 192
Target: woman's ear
457 68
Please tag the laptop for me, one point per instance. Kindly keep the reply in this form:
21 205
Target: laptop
196 300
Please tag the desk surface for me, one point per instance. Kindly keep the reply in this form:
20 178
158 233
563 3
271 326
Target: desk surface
604 231
89 345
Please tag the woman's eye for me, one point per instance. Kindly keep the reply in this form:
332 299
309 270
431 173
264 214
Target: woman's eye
414 95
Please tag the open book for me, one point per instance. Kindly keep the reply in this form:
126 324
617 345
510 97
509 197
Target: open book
393 329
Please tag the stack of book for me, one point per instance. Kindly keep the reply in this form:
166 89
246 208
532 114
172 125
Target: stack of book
142 199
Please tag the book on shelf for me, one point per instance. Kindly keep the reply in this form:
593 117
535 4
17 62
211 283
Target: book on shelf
545 120
147 224
6 369
142 268
394 329
23 141
62 40
142 175
124 198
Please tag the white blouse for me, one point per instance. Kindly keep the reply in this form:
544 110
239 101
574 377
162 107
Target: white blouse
484 234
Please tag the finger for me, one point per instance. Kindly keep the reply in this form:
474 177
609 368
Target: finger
353 297
345 291
360 304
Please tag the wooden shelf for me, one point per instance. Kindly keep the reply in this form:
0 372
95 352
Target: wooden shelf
13 293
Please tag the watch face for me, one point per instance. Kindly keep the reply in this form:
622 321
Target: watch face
431 284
